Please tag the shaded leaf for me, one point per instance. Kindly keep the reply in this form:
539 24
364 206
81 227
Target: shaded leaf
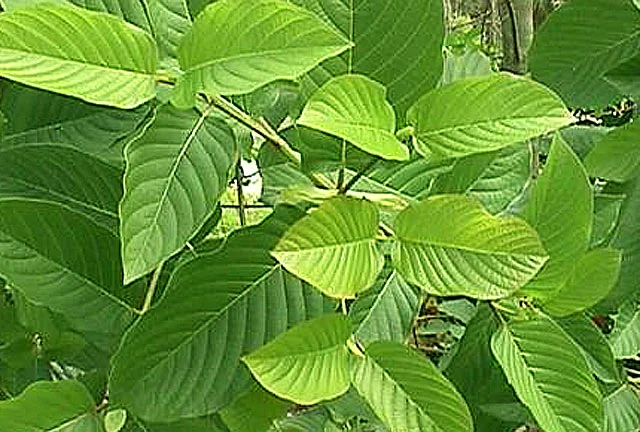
605 217
625 337
470 64
622 410
617 156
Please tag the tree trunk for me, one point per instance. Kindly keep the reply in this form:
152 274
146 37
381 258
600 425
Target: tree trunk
517 33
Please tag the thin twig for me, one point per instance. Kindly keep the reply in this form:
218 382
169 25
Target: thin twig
241 205
246 206
351 183
151 291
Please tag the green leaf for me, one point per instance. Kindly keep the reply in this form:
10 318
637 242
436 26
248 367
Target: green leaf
625 337
622 410
175 174
64 260
398 44
560 208
407 391
605 217
307 364
387 311
582 139
37 116
468 65
494 178
354 108
449 245
118 71
171 21
221 54
593 344
182 358
617 156
593 276
63 406
334 247
484 114
573 62
115 420
549 375
255 411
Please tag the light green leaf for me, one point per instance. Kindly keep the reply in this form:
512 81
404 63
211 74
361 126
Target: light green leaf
574 62
115 420
38 116
398 44
223 54
549 375
387 311
354 108
407 391
64 260
625 337
171 21
182 358
470 64
593 276
617 156
62 406
175 174
118 71
593 344
334 247
622 410
560 208
484 114
494 178
307 364
449 245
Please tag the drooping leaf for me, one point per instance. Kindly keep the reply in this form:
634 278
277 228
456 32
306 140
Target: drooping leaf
38 116
68 44
622 410
478 115
182 359
407 391
334 248
51 406
617 156
573 62
560 208
625 337
398 44
221 54
494 178
307 364
354 108
549 375
64 260
593 344
593 276
175 174
386 311
449 245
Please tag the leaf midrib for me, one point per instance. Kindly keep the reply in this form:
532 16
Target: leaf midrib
418 243
469 125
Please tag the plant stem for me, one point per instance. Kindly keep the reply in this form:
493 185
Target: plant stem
151 291
246 206
352 182
241 204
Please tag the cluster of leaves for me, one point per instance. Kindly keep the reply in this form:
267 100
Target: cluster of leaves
394 174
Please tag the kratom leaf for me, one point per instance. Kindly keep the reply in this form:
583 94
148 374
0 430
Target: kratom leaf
606 214
567 57
171 21
182 358
62 406
255 411
593 276
468 65
398 44
64 260
387 311
63 49
625 337
449 245
115 420
175 174
617 156
307 364
354 108
222 54
622 410
407 391
549 375
334 247
484 114
560 208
